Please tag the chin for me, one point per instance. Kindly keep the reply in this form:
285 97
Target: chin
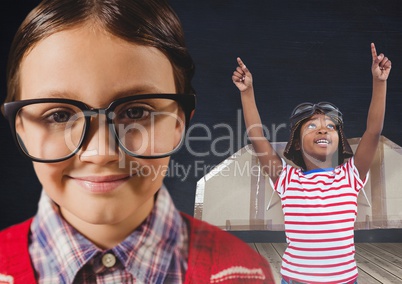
100 217
104 221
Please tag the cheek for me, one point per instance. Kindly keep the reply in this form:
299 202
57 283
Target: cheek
336 138
50 174
51 179
148 170
306 134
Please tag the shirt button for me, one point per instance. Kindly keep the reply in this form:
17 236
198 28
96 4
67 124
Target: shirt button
108 260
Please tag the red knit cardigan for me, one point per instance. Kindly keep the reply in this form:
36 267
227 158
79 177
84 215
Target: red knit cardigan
215 256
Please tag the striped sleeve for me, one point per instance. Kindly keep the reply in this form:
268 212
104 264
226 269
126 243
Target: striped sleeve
353 175
284 178
280 184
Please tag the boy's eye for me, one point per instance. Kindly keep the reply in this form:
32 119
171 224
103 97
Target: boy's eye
59 117
133 113
136 113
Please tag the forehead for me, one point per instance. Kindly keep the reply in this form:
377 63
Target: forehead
88 62
318 117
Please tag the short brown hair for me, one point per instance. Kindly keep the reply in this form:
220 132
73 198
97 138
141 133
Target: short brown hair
150 23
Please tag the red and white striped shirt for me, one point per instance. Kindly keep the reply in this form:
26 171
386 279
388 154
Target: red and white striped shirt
320 208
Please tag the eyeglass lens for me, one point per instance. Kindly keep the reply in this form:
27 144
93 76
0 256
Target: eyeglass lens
147 127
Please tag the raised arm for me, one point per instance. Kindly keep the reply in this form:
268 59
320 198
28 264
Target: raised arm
269 159
365 152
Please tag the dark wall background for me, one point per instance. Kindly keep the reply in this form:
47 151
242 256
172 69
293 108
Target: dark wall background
310 50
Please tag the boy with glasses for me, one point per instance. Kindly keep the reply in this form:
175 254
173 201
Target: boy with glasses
95 87
319 190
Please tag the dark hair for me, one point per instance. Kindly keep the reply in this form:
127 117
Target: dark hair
149 23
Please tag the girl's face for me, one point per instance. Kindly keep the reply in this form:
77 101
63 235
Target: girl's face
319 141
100 184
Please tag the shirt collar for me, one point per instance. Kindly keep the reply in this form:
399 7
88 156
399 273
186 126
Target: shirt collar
318 170
146 253
66 250
154 242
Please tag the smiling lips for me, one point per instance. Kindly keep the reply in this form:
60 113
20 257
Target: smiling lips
101 184
322 142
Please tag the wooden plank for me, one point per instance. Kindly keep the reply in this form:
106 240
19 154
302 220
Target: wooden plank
272 256
366 278
364 268
379 251
376 262
395 248
252 245
280 248
377 268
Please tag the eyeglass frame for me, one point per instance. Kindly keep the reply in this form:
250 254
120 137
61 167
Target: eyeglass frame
10 111
297 117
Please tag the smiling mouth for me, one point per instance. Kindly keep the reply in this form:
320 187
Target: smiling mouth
322 142
101 185
101 179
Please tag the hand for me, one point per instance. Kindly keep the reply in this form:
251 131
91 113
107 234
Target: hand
242 77
381 66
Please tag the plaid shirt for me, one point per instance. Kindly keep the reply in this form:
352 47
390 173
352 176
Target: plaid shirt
156 252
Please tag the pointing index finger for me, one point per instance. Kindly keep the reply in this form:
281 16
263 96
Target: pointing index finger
373 51
240 62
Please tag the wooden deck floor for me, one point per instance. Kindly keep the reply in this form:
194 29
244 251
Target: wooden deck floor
377 262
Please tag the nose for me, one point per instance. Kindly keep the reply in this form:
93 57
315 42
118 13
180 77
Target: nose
322 129
100 146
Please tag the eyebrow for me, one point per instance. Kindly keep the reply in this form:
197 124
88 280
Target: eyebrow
57 94
138 90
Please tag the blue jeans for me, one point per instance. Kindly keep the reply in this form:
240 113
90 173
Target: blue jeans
294 282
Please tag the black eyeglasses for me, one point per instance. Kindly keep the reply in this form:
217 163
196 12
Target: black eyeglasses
305 110
146 126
